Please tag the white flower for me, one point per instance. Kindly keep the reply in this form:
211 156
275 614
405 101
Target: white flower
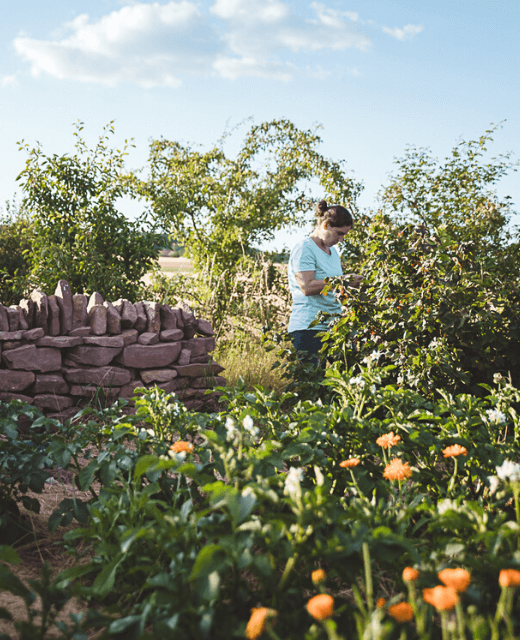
248 423
358 382
493 484
494 415
375 355
509 471
497 377
292 483
151 432
446 505
373 389
179 457
231 430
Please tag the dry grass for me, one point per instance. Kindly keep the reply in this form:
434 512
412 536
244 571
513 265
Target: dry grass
247 359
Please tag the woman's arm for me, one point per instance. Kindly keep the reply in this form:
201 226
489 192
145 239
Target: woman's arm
311 287
307 283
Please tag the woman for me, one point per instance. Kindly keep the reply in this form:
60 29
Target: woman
312 260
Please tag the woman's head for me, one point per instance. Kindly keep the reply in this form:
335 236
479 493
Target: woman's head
333 223
333 216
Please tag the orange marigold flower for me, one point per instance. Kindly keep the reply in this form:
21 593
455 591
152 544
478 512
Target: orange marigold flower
410 574
351 462
182 445
321 606
318 576
442 598
459 578
388 440
509 578
396 469
402 612
455 450
257 622
380 603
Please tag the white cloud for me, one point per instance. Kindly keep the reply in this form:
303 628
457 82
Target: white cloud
157 43
149 44
262 29
233 68
251 11
5 81
408 31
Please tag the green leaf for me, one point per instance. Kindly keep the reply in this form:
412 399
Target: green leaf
210 558
65 577
240 506
143 465
10 582
86 475
8 554
104 582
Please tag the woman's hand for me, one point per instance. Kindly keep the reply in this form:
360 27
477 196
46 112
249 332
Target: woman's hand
354 280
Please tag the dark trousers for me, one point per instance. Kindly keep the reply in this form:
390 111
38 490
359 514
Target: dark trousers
307 340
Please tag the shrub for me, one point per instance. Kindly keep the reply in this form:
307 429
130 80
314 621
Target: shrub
429 308
78 234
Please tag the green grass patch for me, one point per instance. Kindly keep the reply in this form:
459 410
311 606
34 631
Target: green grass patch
247 359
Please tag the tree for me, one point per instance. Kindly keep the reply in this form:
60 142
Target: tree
79 235
441 295
15 241
458 194
220 207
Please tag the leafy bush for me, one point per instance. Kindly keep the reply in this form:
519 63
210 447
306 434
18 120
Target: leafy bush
219 207
430 308
199 518
15 241
78 234
23 456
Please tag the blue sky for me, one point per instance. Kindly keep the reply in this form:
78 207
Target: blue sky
377 75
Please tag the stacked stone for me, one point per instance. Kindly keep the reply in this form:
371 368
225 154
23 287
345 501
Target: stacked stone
58 351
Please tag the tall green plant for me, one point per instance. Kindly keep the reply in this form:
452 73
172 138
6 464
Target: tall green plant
429 307
15 241
459 193
220 206
79 235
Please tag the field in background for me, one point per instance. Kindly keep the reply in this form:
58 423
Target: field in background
171 266
175 265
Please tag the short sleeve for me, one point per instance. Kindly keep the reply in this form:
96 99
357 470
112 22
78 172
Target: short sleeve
303 259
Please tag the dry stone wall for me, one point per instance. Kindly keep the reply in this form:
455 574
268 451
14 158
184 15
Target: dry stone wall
58 351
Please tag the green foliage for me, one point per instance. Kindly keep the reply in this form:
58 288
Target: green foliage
430 308
246 359
219 207
41 614
78 234
238 302
458 195
15 241
183 544
22 466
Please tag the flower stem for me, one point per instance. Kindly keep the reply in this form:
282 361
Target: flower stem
368 577
452 481
460 621
286 572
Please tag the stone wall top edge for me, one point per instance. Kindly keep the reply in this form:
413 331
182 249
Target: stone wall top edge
67 315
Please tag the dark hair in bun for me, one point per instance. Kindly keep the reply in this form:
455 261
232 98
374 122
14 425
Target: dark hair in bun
336 215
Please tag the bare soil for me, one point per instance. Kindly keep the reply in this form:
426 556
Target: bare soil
39 546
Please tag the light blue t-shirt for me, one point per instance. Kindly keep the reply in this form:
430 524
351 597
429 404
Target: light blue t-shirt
307 256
